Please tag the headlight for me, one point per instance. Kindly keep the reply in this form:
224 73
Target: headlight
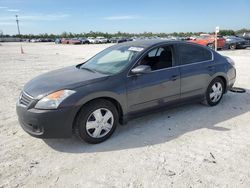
53 100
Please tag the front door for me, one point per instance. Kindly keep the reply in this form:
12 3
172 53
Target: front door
158 87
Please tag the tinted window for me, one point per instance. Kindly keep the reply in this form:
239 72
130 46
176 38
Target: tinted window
152 53
159 58
190 54
160 50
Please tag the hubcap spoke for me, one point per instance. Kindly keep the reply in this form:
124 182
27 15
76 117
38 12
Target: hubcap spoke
97 132
219 88
218 96
214 87
107 127
212 95
91 125
107 116
98 115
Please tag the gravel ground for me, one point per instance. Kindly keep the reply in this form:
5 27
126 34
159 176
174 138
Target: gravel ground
189 146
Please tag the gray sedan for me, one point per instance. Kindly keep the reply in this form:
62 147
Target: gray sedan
120 83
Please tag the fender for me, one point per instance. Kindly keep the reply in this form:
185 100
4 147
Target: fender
120 99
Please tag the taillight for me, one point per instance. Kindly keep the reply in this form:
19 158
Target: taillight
229 60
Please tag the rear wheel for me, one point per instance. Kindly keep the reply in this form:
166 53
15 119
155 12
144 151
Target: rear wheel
214 92
232 46
96 121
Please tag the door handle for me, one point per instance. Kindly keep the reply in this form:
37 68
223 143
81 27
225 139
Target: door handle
174 77
211 68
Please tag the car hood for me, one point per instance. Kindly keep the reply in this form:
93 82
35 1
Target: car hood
235 40
66 78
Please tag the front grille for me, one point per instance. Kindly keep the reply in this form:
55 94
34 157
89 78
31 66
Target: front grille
25 99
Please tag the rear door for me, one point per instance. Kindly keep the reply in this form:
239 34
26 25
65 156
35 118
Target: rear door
196 66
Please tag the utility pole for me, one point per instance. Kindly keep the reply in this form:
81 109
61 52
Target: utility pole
217 30
1 36
18 29
17 22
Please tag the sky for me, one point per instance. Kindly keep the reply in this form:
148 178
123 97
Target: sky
135 16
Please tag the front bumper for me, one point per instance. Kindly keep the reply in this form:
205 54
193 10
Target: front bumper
46 123
239 45
242 46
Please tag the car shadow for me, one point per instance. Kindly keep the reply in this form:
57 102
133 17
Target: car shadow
163 126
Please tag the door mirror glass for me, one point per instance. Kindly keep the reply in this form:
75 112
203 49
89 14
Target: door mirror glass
141 69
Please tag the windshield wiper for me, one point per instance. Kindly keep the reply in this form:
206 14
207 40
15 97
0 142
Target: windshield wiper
88 69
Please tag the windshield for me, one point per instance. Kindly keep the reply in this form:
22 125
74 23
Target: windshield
112 60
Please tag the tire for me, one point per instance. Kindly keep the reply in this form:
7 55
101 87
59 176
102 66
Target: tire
210 45
214 92
232 46
91 124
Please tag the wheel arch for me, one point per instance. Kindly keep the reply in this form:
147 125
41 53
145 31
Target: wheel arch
223 78
224 81
113 100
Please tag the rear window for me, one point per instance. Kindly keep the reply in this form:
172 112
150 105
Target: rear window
191 54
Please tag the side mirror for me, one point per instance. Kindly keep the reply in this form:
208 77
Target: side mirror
141 69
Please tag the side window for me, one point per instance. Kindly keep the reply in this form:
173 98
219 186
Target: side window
159 58
152 53
159 51
190 54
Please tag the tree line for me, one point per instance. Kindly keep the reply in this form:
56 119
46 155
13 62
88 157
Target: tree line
122 34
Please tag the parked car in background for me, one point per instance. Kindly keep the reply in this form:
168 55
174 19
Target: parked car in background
70 41
113 40
46 40
245 36
92 40
65 41
101 40
209 40
119 83
32 40
35 40
74 41
58 41
192 38
84 40
233 42
117 40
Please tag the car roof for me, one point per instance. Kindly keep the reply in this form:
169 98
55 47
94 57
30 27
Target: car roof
149 43
146 44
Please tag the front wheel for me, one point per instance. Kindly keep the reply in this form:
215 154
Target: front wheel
211 45
214 92
96 121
